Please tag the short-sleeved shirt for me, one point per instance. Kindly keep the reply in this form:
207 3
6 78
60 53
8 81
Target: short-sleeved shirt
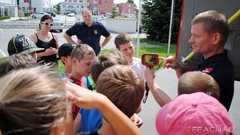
89 35
221 69
138 67
91 120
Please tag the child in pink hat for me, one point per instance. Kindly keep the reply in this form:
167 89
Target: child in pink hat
194 114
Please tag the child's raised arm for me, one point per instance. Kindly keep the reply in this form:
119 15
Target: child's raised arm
87 99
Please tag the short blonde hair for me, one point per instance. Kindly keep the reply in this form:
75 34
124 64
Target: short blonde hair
34 101
123 86
213 22
197 81
81 50
107 60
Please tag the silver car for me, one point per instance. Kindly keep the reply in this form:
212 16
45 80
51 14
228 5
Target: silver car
38 15
57 25
71 14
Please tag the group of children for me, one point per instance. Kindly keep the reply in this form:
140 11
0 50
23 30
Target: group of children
80 61
119 78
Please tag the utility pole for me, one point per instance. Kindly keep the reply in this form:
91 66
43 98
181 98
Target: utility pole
139 21
85 4
51 6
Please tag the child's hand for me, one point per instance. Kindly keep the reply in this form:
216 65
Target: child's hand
136 120
149 74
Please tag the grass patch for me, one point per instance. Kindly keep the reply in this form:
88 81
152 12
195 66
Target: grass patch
147 41
2 59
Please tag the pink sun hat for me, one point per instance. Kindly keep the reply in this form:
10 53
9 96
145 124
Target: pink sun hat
194 114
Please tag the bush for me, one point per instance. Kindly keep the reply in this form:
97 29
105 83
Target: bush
4 17
26 14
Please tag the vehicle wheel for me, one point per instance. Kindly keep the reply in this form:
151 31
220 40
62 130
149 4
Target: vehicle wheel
60 31
33 17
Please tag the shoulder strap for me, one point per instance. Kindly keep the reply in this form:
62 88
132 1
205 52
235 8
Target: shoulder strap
52 36
36 35
87 82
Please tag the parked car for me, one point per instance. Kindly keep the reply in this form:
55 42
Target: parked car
38 15
103 16
57 25
71 14
52 14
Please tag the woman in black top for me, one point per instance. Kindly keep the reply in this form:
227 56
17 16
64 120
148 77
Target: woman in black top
45 39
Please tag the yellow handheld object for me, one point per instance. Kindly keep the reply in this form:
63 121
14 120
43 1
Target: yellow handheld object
185 60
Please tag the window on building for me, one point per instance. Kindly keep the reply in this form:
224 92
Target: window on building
70 0
75 0
95 2
101 7
106 1
82 7
77 6
80 0
25 1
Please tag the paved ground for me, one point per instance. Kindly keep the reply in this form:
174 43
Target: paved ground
167 80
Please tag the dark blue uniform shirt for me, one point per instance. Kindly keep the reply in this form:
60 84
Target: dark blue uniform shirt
89 35
221 69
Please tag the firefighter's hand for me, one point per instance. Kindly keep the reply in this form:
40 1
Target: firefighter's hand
170 62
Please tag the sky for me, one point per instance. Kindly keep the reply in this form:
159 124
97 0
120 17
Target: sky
54 2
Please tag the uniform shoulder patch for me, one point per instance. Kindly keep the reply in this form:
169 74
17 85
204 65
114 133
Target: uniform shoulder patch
207 70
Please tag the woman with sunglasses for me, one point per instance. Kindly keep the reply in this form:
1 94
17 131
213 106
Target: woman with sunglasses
45 39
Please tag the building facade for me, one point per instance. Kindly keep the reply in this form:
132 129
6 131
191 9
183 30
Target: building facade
31 6
74 6
126 9
101 6
97 6
8 8
11 7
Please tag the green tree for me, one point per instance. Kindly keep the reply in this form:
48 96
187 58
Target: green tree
114 12
156 19
57 7
130 1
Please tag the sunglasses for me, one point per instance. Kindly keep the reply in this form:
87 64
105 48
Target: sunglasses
47 23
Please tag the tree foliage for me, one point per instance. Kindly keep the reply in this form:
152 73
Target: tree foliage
57 7
156 19
114 12
130 1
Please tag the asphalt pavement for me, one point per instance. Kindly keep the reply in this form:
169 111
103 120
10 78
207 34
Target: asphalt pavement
166 78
